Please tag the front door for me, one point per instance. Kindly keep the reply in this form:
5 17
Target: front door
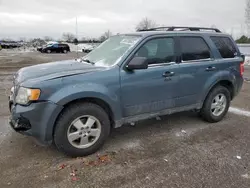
153 89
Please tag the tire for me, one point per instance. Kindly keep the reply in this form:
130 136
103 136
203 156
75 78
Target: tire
71 113
207 113
65 51
48 51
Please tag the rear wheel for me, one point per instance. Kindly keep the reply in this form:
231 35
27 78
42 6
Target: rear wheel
48 51
81 129
65 51
216 104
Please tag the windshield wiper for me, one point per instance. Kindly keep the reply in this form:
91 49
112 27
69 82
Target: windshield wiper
87 61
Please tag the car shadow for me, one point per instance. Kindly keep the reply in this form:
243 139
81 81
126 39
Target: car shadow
28 147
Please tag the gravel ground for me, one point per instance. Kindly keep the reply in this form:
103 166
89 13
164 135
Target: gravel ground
175 151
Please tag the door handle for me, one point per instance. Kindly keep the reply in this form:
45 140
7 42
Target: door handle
168 74
210 68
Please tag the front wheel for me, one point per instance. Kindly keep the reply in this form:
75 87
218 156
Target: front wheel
216 104
81 129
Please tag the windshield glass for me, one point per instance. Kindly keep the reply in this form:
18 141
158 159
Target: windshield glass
112 50
48 45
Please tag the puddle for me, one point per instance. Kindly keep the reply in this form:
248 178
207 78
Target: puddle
125 144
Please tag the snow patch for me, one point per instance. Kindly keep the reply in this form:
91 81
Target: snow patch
239 111
79 47
246 176
247 61
238 157
132 144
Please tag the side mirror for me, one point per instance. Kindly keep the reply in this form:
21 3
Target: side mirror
137 63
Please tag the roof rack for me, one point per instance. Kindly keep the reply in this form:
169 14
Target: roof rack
172 28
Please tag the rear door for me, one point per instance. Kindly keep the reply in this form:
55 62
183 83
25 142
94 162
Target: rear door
60 48
55 48
197 65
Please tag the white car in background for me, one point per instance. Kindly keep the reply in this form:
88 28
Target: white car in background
245 49
87 48
247 60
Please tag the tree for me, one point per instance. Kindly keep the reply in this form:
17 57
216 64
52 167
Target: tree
243 39
145 23
105 35
69 37
213 26
22 39
75 41
48 38
247 16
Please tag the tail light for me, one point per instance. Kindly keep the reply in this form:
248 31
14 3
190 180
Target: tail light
242 68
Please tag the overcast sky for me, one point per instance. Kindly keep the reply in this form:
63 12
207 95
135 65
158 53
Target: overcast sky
39 18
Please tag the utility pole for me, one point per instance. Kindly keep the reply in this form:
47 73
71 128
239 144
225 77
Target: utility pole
77 39
247 16
232 32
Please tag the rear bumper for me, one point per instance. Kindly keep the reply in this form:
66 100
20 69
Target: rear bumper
36 120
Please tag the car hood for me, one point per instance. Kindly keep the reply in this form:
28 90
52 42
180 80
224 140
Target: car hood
52 70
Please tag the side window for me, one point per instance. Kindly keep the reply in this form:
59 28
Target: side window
55 45
225 46
194 48
158 51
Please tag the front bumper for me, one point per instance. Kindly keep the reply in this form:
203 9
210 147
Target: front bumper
36 120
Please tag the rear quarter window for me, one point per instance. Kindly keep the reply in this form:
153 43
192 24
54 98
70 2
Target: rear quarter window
225 46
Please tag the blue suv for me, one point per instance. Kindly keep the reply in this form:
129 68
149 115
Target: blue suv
129 77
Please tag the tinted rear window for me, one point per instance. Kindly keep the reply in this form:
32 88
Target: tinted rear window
225 46
194 48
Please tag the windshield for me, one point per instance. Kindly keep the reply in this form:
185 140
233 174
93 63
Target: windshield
112 50
49 44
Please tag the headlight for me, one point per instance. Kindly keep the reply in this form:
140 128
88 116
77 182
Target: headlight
25 95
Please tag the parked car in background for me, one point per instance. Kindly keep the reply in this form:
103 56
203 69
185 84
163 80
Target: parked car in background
87 48
10 44
129 77
55 48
